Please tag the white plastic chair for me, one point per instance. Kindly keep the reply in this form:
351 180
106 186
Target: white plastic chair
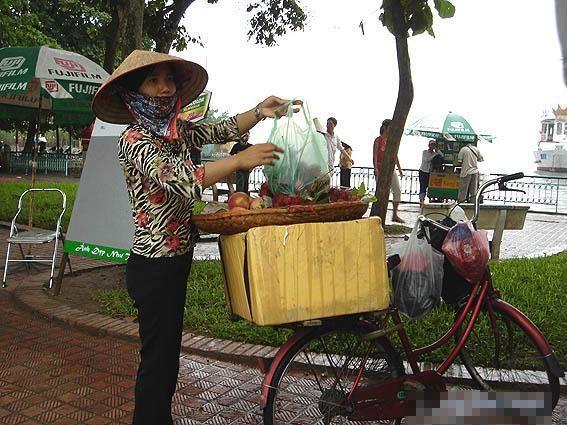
33 237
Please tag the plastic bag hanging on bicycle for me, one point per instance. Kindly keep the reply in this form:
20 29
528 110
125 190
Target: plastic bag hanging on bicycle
418 279
468 251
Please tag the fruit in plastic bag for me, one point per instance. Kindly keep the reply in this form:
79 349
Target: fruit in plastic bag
305 159
467 250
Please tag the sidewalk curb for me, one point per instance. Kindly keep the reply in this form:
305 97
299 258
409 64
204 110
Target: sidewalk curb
30 296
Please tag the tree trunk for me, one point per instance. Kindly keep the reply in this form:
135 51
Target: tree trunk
403 105
28 147
164 39
132 31
124 34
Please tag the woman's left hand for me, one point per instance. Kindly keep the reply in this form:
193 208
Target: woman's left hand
270 105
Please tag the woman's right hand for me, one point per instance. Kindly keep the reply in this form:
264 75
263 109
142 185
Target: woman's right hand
260 154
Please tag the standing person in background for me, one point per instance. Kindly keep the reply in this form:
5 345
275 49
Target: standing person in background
86 139
242 176
468 158
425 169
378 156
333 142
346 163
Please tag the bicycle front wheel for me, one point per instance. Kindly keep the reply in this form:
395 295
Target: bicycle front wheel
312 383
500 355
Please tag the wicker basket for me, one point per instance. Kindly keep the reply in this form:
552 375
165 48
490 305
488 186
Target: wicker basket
231 222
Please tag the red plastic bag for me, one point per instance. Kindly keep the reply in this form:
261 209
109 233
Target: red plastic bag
468 251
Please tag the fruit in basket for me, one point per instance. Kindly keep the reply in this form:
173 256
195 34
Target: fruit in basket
239 200
239 209
256 204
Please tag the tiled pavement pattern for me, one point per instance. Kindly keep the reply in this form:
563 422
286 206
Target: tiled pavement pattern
53 374
50 374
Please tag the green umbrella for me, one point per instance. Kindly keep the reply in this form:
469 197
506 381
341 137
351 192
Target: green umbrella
36 82
452 127
59 82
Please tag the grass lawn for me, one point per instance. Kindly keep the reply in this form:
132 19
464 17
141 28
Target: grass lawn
46 206
535 286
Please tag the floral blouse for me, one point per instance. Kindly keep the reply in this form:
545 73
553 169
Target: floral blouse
163 184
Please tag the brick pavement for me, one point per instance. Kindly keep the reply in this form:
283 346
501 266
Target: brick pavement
43 361
53 374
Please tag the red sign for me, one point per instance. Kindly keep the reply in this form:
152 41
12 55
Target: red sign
69 64
52 86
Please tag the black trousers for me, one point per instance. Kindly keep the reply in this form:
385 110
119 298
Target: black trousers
423 183
242 181
158 287
345 177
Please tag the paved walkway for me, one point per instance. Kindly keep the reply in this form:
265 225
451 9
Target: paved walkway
56 374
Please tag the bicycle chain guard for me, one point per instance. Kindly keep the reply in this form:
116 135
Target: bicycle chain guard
396 398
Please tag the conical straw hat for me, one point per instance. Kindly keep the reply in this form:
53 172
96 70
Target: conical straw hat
107 103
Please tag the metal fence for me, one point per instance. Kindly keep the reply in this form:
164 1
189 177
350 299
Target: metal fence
46 163
543 194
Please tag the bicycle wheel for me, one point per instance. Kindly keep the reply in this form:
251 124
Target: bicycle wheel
499 355
311 384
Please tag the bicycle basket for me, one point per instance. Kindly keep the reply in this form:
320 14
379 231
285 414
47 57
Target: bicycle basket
455 287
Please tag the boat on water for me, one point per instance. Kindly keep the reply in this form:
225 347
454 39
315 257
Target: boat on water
551 154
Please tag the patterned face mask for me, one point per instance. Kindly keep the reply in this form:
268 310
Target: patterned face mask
156 114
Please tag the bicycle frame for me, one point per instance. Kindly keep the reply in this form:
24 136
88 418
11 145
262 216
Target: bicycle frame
474 304
386 395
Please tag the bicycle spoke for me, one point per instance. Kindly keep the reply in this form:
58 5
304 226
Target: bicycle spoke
313 385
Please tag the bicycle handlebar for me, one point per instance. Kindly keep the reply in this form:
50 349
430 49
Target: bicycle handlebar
498 181
509 177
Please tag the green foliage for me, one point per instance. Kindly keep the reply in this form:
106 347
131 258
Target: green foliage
273 18
77 25
21 26
417 15
533 285
213 115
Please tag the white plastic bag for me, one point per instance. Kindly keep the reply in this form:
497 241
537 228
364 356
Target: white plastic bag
418 279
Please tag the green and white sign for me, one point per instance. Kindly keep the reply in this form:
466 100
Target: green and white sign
101 225
64 81
197 110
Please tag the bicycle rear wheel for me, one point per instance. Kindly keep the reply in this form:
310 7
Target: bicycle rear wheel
311 384
500 355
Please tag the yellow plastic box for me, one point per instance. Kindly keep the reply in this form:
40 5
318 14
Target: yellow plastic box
286 274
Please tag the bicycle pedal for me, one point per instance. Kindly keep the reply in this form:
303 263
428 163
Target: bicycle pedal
380 332
411 385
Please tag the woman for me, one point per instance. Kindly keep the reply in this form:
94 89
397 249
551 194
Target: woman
378 150
147 91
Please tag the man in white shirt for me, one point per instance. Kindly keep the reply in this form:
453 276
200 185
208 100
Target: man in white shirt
425 169
333 142
468 158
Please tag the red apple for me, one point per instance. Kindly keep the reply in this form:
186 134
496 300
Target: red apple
239 199
239 209
256 204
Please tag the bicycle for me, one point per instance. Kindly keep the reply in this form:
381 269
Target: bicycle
346 368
